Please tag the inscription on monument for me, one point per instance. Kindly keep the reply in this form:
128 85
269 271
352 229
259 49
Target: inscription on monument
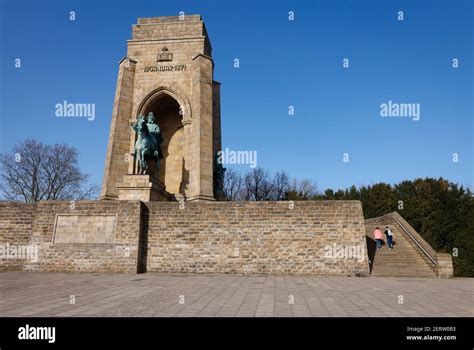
165 68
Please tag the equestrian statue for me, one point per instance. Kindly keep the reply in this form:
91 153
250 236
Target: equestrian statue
147 146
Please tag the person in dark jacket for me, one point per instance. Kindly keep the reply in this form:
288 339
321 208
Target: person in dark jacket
389 235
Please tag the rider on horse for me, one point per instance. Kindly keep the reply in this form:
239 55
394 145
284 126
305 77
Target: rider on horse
148 142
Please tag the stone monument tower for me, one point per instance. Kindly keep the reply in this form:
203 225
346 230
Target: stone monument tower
168 71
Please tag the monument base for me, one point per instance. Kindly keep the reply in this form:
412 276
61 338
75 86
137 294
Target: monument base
144 188
129 236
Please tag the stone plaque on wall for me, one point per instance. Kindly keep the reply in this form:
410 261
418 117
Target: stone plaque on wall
82 229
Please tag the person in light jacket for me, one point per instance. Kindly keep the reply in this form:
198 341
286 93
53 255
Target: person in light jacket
378 237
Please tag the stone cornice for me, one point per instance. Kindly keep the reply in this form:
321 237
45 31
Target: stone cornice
152 41
125 58
203 55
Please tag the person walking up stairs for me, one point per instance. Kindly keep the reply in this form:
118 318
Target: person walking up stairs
378 237
389 235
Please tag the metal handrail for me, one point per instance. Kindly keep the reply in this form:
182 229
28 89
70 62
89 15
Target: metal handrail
414 240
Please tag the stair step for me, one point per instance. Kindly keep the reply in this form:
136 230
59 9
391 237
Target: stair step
404 260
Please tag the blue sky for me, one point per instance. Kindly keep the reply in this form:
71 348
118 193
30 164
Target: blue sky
282 63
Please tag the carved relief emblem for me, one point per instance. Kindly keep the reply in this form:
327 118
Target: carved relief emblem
165 55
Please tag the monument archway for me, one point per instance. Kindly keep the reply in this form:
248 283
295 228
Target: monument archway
168 70
168 114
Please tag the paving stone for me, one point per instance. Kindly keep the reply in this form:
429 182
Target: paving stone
30 294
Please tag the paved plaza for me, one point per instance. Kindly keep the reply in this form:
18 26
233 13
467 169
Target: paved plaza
61 294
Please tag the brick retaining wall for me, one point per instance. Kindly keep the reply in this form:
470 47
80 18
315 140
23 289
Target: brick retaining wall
201 237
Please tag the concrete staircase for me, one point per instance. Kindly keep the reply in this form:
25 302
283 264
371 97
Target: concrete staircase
411 255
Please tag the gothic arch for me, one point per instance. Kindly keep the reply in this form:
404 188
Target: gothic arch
172 90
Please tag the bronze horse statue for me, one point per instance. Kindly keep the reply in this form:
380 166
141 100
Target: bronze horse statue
147 145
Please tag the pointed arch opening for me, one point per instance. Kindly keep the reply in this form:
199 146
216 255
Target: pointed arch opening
169 116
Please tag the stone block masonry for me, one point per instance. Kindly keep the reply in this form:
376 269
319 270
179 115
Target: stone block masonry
255 237
194 237
92 244
16 221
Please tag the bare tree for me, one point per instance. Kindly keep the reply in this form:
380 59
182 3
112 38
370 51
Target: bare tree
307 188
258 185
90 191
35 172
303 189
281 185
232 184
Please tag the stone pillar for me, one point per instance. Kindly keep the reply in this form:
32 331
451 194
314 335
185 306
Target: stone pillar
200 143
216 117
118 157
189 161
445 265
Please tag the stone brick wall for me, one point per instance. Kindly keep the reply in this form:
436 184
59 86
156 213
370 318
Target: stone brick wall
202 237
445 267
36 225
16 220
170 27
254 237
